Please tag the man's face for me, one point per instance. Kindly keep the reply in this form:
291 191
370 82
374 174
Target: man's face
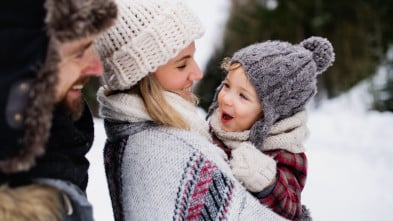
78 63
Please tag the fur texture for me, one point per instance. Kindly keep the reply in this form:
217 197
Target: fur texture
306 215
66 20
72 19
35 202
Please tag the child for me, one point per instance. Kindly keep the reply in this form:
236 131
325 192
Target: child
258 117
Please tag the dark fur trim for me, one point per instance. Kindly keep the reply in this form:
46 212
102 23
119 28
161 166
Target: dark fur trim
38 115
74 19
306 215
66 20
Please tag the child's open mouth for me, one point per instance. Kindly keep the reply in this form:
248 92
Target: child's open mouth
225 117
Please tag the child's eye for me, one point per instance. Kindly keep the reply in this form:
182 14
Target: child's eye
244 97
226 85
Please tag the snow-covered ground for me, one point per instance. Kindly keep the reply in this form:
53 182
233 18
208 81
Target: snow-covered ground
350 149
350 152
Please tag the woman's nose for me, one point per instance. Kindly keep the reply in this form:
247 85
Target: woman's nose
196 73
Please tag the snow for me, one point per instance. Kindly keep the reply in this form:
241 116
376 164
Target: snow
350 149
350 161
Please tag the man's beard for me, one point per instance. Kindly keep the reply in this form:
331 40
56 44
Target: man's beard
73 108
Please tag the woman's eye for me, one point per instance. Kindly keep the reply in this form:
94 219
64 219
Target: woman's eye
182 66
226 85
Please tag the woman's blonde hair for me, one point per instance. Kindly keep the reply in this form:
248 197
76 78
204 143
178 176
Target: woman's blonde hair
151 92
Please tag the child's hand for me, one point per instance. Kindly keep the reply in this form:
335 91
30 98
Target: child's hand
253 168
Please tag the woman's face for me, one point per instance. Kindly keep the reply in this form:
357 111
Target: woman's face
179 74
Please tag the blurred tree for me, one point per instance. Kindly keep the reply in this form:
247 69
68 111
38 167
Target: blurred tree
383 93
89 92
387 101
359 30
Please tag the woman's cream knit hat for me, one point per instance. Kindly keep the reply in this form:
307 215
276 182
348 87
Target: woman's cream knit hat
147 34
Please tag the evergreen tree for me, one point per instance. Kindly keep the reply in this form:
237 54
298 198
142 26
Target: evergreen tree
90 94
359 31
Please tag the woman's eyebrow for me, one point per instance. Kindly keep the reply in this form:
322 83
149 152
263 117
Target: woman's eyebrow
183 58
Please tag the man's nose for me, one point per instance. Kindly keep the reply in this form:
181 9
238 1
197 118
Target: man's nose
94 65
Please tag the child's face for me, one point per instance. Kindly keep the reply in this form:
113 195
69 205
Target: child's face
179 74
238 102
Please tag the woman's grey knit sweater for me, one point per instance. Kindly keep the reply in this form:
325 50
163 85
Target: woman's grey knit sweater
162 173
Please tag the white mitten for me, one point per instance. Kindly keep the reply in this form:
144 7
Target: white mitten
253 168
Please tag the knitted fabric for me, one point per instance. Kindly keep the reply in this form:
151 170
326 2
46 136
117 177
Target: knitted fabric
130 108
284 77
287 134
147 35
284 144
181 171
196 196
250 166
174 169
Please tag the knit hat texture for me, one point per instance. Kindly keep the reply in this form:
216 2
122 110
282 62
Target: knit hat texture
284 77
147 34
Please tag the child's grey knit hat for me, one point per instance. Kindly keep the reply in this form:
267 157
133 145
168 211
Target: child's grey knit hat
284 77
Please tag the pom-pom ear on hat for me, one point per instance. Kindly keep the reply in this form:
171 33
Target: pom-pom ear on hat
284 78
322 50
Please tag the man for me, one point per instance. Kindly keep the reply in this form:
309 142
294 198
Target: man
45 126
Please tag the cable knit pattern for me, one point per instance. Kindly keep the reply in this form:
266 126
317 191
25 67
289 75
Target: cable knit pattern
284 76
147 35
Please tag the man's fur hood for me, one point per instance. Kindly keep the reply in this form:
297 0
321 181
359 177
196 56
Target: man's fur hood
28 80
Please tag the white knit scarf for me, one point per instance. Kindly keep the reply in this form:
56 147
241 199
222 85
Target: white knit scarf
288 134
130 108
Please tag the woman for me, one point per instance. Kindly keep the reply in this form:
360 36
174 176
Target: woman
159 159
